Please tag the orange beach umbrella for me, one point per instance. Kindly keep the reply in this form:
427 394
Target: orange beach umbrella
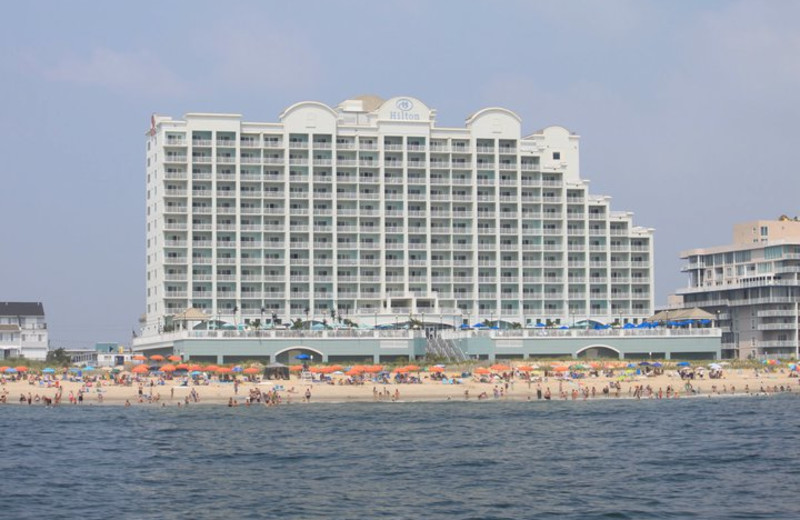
140 369
139 357
157 357
21 369
436 369
168 368
174 358
481 370
500 367
251 370
525 368
296 368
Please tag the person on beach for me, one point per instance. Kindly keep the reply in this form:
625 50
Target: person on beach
308 395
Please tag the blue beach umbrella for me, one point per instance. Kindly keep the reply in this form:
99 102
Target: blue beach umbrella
48 371
302 356
684 364
10 370
237 369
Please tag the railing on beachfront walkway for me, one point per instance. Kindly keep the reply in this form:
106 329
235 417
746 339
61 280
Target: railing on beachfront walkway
309 334
583 333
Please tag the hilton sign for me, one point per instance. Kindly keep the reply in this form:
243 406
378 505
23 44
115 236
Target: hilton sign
402 113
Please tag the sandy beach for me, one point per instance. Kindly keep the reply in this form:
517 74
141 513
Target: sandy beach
154 391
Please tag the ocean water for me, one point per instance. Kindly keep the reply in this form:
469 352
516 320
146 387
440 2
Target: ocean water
702 458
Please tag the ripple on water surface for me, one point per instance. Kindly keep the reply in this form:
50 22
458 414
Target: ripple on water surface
686 458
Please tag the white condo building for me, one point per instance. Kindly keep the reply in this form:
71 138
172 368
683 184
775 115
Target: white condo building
23 330
371 210
753 285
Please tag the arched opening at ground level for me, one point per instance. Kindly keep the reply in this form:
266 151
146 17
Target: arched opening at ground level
598 352
298 354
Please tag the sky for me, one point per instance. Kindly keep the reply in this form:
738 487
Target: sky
687 112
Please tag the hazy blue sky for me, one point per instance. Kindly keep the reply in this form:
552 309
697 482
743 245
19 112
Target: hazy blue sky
688 112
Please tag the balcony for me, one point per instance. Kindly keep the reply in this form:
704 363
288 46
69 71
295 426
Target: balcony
175 158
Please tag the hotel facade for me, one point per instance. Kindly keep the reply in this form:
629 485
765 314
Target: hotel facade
753 285
370 211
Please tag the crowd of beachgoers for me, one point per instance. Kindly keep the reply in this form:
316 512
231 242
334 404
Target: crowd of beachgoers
186 384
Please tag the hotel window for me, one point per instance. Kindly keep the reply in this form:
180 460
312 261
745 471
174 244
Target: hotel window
556 156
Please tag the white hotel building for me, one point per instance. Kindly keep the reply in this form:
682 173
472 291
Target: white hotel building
372 210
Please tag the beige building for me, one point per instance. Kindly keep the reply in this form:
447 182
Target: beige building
753 286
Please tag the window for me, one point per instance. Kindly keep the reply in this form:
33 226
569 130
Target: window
556 156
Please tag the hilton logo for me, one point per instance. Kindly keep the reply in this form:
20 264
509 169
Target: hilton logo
404 105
